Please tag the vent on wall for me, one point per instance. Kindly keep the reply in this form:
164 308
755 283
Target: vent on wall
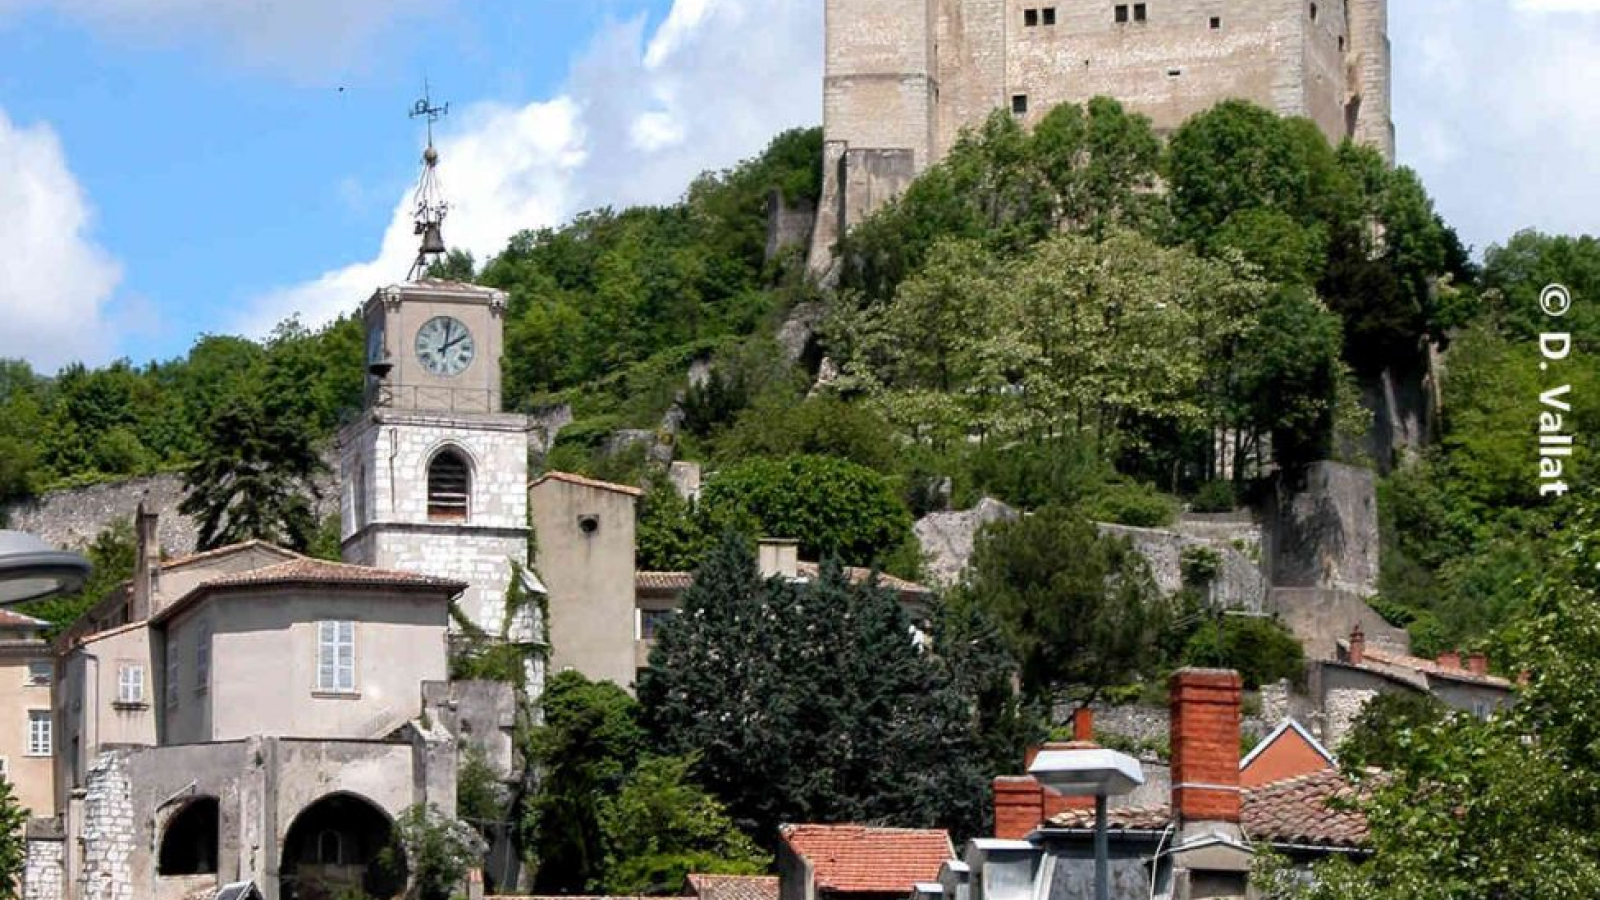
1216 24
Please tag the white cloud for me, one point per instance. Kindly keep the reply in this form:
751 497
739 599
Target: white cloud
55 282
1494 107
638 118
306 38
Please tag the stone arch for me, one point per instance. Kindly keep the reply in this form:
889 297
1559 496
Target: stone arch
450 475
189 842
334 846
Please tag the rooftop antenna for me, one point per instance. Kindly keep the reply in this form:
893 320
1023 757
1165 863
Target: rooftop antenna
428 206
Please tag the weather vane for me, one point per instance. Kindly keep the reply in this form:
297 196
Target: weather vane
428 206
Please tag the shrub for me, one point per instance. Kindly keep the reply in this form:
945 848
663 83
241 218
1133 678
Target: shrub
1261 650
1131 503
1215 497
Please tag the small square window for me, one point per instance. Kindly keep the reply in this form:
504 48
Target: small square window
1122 13
130 683
40 673
1216 23
1139 12
1019 104
1049 15
1030 17
1174 73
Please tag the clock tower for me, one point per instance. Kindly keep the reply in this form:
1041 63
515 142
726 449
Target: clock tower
433 475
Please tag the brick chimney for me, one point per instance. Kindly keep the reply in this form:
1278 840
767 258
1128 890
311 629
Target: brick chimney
779 558
1478 664
1358 646
1018 806
1450 659
1205 745
1083 725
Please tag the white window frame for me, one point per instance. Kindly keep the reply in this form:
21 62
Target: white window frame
202 658
41 728
34 680
336 657
5 769
130 683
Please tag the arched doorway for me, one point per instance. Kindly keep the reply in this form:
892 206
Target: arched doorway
189 842
337 844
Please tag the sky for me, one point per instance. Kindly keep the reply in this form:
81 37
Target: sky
172 168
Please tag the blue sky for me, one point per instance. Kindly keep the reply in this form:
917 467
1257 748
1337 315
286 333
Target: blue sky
176 167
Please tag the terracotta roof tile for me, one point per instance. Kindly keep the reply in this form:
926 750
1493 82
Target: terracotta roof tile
228 550
581 481
734 887
1430 667
305 569
16 620
680 581
857 858
663 581
1293 811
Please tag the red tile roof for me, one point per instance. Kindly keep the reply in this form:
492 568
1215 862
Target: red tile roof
734 887
1307 810
303 570
581 481
229 550
16 620
1380 660
860 859
680 581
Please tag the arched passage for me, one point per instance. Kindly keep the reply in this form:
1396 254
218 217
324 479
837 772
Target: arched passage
334 846
189 842
449 485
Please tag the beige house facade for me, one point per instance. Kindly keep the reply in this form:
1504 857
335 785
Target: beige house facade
27 728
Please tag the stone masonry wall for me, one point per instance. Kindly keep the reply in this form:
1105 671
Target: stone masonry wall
108 829
44 867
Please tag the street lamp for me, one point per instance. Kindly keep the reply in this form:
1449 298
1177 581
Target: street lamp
1090 772
31 569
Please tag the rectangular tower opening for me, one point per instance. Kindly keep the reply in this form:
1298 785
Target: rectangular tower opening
1030 18
1216 23
1139 12
1019 104
1049 15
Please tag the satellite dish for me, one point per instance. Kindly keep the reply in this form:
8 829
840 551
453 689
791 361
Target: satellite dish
30 569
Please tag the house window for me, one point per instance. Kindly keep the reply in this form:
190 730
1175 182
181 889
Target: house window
1216 23
336 657
1139 14
1019 104
449 486
1313 12
38 732
1049 15
1122 13
1030 17
130 683
5 768
40 673
202 659
172 672
651 621
1341 43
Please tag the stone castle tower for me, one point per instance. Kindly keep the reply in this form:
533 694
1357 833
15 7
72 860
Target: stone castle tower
903 77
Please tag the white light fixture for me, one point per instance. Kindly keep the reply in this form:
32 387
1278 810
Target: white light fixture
31 569
1090 772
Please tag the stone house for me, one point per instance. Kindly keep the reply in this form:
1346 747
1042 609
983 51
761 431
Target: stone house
253 715
1343 686
27 728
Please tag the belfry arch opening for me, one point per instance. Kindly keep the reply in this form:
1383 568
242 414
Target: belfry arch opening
189 842
449 485
335 847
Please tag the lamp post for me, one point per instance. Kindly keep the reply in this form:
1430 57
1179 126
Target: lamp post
31 569
1090 772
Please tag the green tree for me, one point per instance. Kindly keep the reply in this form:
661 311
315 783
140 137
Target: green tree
589 742
830 505
661 826
255 478
884 737
1261 650
1383 734
1080 610
1288 377
436 849
111 557
13 849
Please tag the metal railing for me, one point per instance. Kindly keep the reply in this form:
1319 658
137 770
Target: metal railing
384 395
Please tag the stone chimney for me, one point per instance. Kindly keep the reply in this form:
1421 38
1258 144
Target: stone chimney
779 558
1478 664
1358 646
1205 745
1450 659
146 563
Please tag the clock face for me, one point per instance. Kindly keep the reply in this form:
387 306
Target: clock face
444 346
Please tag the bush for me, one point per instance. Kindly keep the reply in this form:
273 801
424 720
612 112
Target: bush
1215 497
1261 650
1131 503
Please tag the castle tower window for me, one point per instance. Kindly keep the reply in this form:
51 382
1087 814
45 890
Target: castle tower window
1216 23
1122 13
1019 104
449 486
1313 12
1139 12
1030 17
1049 15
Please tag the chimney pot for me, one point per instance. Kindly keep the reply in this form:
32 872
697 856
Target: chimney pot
1450 659
1205 745
1358 646
1478 664
1083 725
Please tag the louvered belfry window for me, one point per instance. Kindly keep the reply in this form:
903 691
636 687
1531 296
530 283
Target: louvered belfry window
449 486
